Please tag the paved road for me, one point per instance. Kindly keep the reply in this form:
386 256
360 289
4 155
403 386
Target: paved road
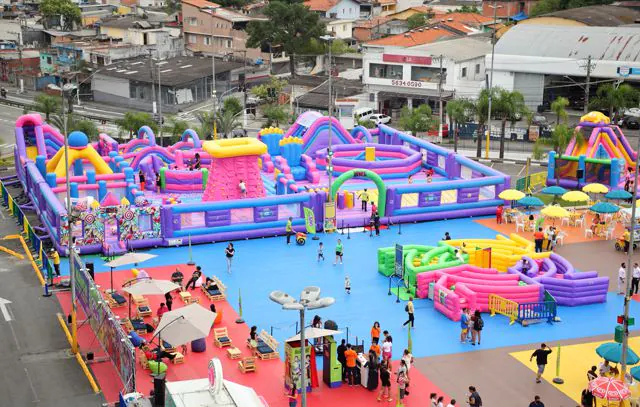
37 367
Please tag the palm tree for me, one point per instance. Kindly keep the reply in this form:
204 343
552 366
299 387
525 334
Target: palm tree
509 106
75 123
132 121
559 140
206 124
558 107
227 122
459 111
47 104
274 114
481 109
416 120
176 127
614 98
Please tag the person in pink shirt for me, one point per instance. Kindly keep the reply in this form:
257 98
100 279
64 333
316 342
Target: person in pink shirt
163 308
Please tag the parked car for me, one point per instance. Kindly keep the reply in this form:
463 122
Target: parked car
379 118
631 123
539 120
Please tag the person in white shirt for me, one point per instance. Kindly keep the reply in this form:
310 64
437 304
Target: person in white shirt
622 274
604 368
452 403
636 278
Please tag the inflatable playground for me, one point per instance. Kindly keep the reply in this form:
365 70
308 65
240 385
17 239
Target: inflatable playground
598 152
138 194
503 276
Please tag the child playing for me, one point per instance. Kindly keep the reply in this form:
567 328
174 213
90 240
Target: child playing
339 252
320 252
430 173
243 189
347 284
158 183
410 179
141 177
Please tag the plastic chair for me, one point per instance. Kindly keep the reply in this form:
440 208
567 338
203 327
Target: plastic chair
519 224
580 221
560 238
608 235
588 233
566 220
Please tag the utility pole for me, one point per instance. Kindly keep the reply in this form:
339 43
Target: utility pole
627 292
153 86
213 81
589 67
493 49
160 119
330 150
244 90
440 101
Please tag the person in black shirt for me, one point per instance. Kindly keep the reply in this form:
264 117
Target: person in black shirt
342 348
474 398
196 164
447 236
536 402
229 253
541 359
587 399
194 277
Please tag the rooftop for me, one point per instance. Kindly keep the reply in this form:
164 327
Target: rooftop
201 3
126 22
458 49
603 15
174 71
415 37
469 19
374 22
320 5
601 43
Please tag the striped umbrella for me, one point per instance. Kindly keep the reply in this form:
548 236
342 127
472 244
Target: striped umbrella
609 388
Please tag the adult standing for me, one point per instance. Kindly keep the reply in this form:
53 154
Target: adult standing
476 327
538 238
292 396
409 309
168 299
229 252
474 397
622 275
626 236
342 348
351 356
372 379
197 164
376 223
387 348
385 382
364 198
407 357
53 255
541 356
375 332
635 280
464 325
289 229
536 402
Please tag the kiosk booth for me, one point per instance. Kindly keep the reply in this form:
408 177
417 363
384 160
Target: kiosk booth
332 369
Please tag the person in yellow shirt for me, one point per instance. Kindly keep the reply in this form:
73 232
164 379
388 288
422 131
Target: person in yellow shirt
364 197
627 237
53 254
289 230
409 309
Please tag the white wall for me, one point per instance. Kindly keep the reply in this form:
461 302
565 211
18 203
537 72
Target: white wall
341 29
345 10
469 86
110 85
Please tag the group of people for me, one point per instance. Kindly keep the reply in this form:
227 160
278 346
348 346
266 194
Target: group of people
550 235
471 326
622 278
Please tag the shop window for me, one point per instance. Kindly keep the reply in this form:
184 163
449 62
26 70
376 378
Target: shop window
385 71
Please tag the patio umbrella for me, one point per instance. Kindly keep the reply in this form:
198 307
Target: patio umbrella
511 195
575 196
618 194
595 188
186 324
531 201
129 258
604 207
554 211
553 190
635 372
612 352
609 388
149 286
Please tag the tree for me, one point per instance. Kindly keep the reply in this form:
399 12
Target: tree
508 106
47 104
206 124
227 122
289 24
75 123
465 9
559 140
549 6
66 9
459 111
232 104
615 98
132 121
481 111
236 4
416 120
366 123
558 107
275 114
269 91
416 20
315 46
176 127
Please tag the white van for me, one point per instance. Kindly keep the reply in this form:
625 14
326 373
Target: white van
362 113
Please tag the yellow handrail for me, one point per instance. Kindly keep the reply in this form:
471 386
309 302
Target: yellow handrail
503 306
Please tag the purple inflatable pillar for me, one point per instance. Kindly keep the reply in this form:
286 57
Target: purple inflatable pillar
42 149
20 142
452 167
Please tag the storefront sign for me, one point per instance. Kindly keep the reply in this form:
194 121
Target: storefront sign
407 59
406 84
625 71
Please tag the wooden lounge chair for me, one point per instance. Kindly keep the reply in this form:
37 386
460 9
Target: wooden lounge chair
247 364
267 347
114 301
218 295
221 337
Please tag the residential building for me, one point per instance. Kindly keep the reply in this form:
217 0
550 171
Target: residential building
508 8
418 36
184 81
448 6
544 62
342 9
164 41
411 11
211 29
411 76
341 29
378 27
22 68
387 7
464 22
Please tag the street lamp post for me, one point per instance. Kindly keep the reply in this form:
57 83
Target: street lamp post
309 299
329 40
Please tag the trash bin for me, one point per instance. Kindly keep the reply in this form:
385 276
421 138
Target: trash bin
618 334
